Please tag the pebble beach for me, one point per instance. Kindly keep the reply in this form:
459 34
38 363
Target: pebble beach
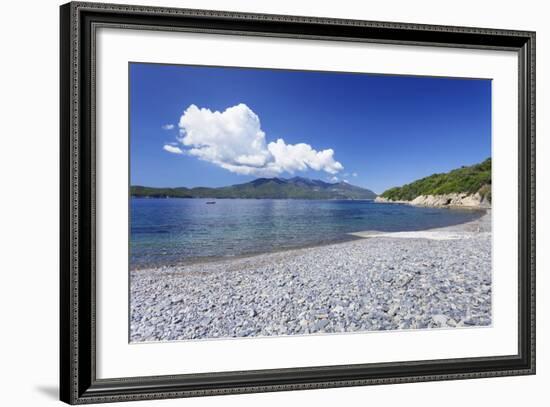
436 278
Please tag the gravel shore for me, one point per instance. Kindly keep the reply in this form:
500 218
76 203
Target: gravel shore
438 278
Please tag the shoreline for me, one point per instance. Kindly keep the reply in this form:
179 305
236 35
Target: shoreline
458 231
349 237
209 260
378 282
449 201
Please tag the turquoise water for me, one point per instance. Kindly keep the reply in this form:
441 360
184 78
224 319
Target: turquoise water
172 231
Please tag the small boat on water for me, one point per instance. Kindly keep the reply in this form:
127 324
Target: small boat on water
210 202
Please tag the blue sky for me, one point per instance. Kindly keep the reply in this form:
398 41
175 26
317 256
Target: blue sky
210 126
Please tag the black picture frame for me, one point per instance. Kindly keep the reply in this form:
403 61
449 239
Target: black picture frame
78 382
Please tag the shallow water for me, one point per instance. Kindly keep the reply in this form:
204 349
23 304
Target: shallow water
171 231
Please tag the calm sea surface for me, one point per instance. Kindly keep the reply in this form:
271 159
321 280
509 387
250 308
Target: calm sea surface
171 231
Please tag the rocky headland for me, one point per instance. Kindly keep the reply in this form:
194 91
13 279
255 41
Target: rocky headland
456 200
464 187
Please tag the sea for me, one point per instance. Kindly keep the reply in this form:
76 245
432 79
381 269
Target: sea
170 231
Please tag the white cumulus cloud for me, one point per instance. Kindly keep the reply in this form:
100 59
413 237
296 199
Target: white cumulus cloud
234 140
168 127
172 149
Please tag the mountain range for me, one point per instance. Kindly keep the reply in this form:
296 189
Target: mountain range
262 188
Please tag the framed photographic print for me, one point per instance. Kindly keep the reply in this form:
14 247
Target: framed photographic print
256 203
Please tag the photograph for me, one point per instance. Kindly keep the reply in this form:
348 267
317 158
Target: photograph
272 202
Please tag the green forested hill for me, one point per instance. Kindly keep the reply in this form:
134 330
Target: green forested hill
263 188
471 179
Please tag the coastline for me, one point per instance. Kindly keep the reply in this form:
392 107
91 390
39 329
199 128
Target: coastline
208 260
479 226
451 201
435 278
348 237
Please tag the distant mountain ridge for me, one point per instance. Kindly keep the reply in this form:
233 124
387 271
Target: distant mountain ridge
262 188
